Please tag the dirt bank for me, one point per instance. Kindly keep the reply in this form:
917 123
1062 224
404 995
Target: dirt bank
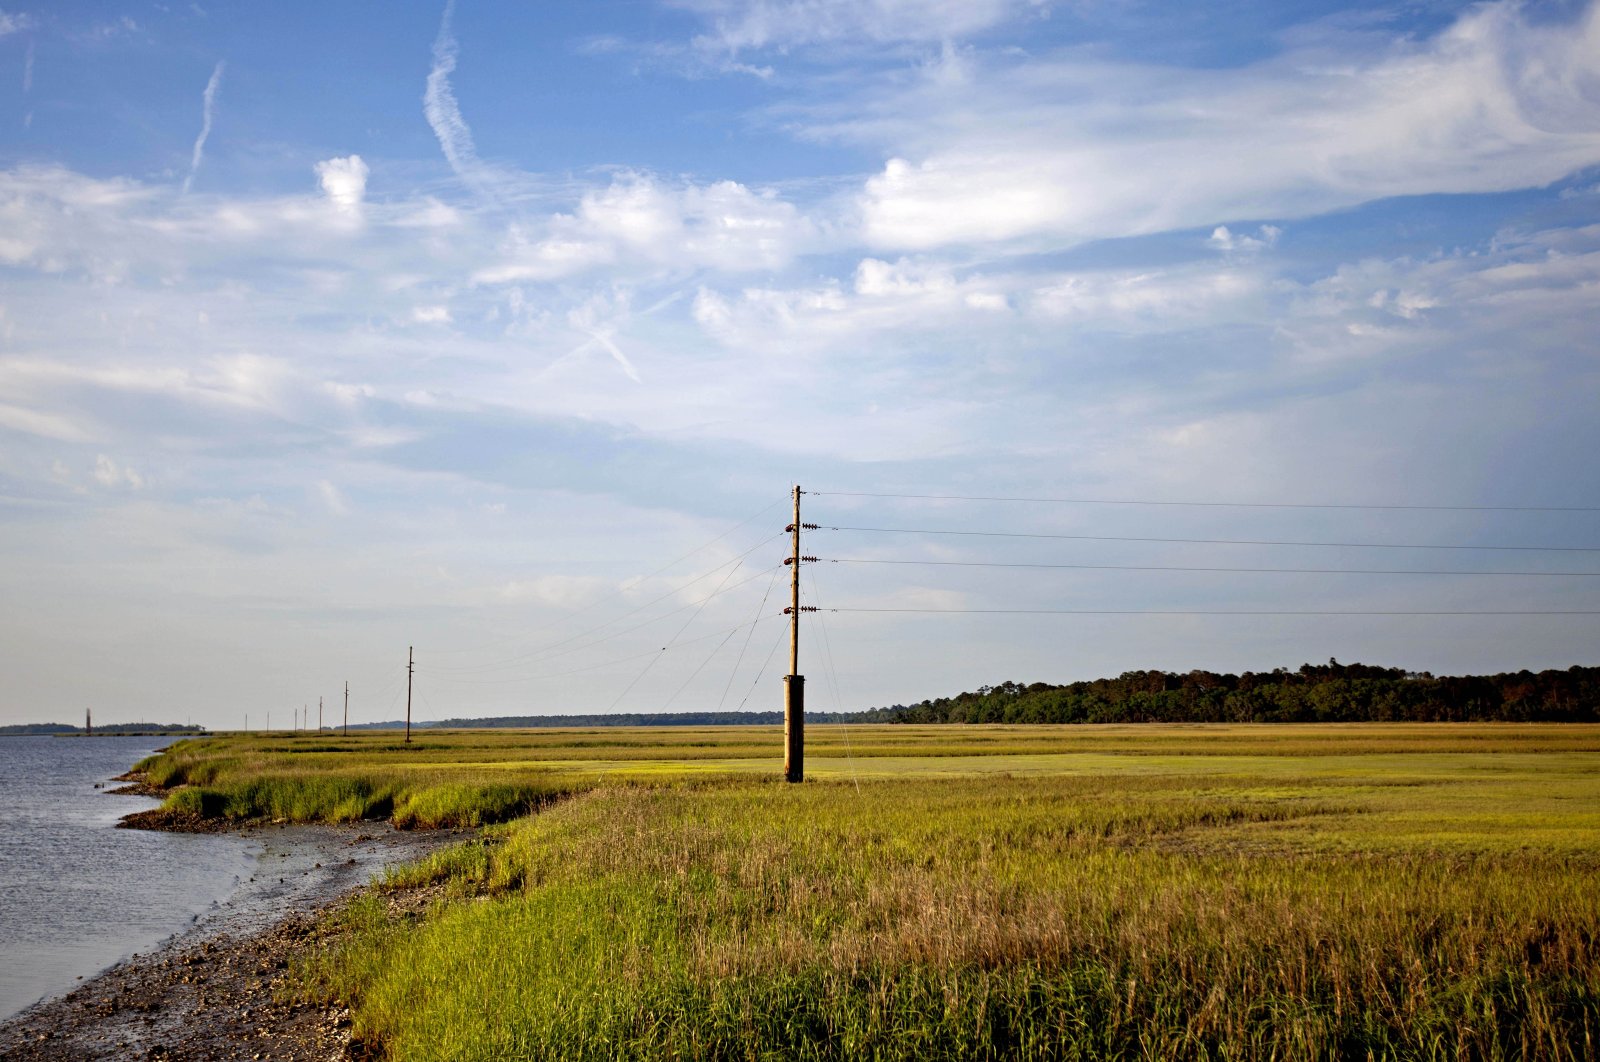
212 991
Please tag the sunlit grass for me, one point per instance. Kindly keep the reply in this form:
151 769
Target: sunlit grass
1247 892
1033 918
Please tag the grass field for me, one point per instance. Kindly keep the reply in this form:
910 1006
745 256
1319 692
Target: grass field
971 892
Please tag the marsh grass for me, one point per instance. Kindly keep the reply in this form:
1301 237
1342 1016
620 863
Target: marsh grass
1011 919
1142 893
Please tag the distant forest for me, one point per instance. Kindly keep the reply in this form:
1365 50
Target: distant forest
1316 693
624 719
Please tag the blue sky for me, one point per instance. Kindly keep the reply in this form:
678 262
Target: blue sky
503 330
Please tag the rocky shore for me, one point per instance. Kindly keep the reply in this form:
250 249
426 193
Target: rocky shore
217 991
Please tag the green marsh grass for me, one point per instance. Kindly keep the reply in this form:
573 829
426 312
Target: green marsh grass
1077 892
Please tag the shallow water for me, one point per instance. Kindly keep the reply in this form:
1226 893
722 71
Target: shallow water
76 893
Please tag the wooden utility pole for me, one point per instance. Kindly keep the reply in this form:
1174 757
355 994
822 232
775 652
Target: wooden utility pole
347 708
794 683
88 722
410 666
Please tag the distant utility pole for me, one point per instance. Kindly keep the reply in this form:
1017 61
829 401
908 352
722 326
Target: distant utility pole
319 715
88 722
347 708
410 666
794 683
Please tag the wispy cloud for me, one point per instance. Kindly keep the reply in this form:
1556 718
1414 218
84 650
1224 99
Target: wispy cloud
641 221
746 24
110 474
1230 242
208 114
1057 149
10 23
27 70
332 498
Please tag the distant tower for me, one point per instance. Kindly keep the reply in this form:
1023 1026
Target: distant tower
88 722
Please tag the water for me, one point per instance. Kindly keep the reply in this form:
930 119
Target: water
76 893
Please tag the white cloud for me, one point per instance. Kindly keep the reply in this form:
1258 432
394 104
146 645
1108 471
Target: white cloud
101 33
14 23
208 101
1056 150
44 424
1237 243
238 382
332 498
431 314
110 474
987 300
641 222
560 591
951 199
712 311
905 277
350 394
744 24
429 214
344 182
1162 298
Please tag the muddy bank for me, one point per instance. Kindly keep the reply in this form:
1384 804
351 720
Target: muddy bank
209 993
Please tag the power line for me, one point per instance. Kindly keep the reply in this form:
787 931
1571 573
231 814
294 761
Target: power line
1219 505
832 674
739 660
545 649
1186 568
545 657
1206 541
762 670
1215 612
519 679
674 638
670 564
696 672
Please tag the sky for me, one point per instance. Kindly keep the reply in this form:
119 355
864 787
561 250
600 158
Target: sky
503 331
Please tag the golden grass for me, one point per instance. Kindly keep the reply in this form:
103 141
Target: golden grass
1242 892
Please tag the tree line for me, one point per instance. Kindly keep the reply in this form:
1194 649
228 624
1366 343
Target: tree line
1315 693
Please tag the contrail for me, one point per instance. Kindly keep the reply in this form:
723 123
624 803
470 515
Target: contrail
27 71
604 339
439 104
596 339
210 110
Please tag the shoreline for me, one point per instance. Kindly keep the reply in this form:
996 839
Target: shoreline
208 991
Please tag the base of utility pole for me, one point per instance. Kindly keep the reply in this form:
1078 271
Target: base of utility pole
794 728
